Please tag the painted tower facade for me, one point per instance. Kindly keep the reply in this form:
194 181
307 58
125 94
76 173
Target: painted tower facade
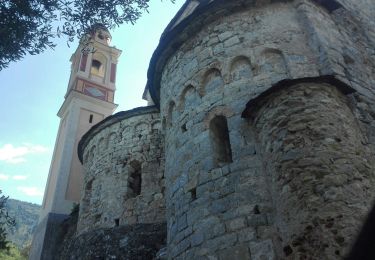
89 99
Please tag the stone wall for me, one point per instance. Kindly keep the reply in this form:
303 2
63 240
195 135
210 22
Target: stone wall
219 199
127 242
224 208
319 170
124 168
267 108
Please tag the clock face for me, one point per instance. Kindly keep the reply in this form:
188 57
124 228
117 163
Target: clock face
95 92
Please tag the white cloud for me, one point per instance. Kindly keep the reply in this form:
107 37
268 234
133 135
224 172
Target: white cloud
12 154
31 191
19 177
4 177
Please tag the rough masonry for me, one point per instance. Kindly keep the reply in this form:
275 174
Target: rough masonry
261 142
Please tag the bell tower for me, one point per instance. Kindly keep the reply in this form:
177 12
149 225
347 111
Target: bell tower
88 100
94 65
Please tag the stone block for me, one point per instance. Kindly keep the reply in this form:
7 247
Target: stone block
240 252
247 234
235 224
262 250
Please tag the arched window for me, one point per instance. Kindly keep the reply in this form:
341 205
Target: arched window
219 134
134 179
98 64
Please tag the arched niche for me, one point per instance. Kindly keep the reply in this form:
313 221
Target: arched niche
92 152
111 139
171 112
212 80
86 158
142 128
240 68
126 130
134 179
188 97
156 126
219 135
273 64
98 64
163 123
102 144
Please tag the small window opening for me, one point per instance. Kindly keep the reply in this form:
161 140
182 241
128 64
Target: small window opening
288 250
193 194
90 119
89 185
256 210
117 222
96 64
101 36
135 179
183 128
220 140
97 68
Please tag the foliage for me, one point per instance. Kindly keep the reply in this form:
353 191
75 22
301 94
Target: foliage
25 27
5 220
25 251
29 26
13 253
27 215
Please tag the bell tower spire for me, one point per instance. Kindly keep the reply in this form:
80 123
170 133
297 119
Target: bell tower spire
94 65
88 100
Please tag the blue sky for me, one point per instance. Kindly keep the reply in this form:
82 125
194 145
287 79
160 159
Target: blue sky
33 90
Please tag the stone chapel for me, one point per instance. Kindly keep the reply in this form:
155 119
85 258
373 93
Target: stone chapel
258 140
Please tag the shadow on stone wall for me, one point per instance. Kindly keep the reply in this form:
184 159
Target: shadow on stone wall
140 241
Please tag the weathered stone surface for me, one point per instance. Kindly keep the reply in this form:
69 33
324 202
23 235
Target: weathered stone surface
116 150
140 241
323 192
293 179
239 54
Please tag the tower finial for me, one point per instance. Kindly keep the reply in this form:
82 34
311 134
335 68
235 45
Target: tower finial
100 33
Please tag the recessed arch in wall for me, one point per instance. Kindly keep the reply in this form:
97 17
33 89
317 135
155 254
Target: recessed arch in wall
126 131
156 126
212 80
171 113
86 158
142 126
273 63
134 179
218 111
86 199
188 97
219 136
102 144
98 64
141 129
111 139
164 124
240 68
92 152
